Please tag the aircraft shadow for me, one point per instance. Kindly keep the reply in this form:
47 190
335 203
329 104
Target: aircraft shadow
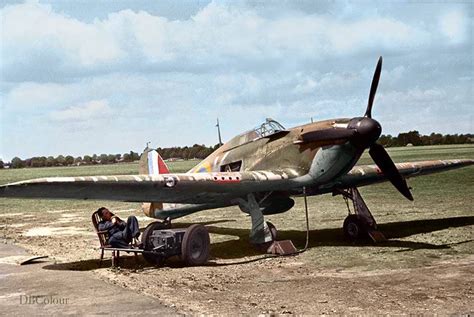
241 248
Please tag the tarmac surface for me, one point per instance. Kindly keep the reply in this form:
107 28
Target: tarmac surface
32 289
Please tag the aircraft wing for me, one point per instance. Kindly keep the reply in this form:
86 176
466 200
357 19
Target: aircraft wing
186 188
203 188
363 175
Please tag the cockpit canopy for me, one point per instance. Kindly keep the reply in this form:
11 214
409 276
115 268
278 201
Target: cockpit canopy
267 128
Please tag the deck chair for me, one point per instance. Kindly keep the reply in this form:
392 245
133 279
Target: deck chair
104 246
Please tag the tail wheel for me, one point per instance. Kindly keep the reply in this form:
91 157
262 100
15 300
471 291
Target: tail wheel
148 255
353 228
196 245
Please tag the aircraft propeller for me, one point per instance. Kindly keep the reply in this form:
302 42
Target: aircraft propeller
363 132
371 133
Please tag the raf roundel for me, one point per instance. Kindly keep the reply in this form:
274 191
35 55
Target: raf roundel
170 181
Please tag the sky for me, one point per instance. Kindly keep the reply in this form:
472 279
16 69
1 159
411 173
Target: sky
92 77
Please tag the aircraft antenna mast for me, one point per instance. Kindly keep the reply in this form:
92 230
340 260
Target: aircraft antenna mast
219 132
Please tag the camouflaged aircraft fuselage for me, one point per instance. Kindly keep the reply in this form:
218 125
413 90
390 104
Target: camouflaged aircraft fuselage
282 150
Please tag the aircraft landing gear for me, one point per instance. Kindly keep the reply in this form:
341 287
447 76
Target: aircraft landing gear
361 223
353 228
261 233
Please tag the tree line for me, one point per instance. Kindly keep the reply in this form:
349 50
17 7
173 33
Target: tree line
196 151
415 138
201 151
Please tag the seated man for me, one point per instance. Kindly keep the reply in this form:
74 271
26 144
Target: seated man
121 233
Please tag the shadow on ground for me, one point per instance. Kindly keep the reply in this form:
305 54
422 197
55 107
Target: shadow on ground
240 248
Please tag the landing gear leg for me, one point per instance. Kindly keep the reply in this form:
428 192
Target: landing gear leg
260 235
361 223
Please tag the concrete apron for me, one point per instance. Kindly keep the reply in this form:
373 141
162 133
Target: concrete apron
33 290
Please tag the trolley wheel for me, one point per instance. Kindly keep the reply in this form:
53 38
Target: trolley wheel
353 228
196 245
149 255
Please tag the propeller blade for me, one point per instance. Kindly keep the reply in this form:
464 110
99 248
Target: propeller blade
328 134
373 88
385 163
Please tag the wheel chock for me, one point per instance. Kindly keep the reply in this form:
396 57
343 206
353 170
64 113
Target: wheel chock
376 236
284 247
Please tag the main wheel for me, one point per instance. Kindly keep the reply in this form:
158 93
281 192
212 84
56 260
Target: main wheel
196 245
263 247
353 228
273 230
148 255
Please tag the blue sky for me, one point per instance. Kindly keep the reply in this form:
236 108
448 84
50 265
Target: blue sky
85 77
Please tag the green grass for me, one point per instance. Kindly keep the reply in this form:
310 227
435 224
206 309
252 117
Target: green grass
418 153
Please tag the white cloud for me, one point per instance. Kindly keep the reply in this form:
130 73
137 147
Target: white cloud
33 26
454 26
27 96
83 112
217 36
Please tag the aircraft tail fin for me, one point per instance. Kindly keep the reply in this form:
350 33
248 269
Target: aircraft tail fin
151 163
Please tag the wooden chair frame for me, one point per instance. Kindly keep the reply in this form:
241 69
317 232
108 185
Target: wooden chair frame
104 246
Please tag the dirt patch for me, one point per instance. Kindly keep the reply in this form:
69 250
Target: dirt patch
427 266
55 231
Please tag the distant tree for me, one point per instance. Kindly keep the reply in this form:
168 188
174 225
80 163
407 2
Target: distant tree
37 161
69 160
2 165
135 156
60 160
17 163
87 159
436 138
50 161
111 158
412 137
78 160
127 157
27 162
103 158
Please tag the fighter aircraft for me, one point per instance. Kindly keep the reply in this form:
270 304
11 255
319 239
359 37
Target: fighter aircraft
259 171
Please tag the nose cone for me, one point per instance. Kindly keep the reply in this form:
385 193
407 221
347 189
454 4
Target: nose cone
368 131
